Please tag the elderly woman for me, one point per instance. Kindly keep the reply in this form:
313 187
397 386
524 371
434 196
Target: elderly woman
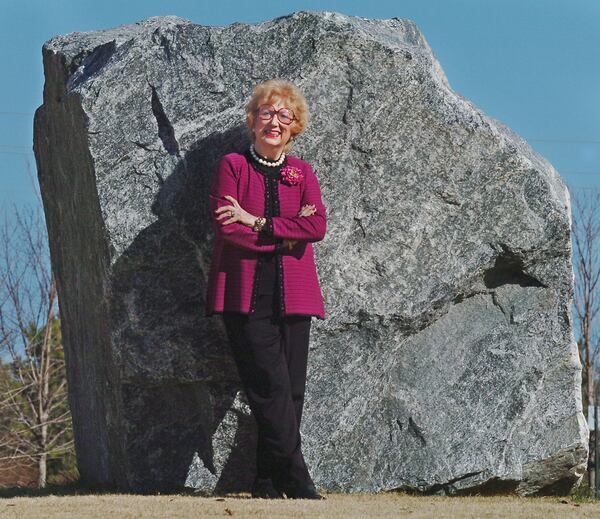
267 212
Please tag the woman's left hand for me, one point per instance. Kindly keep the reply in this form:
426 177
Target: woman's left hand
239 214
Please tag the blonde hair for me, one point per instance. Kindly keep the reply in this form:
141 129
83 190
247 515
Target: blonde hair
284 91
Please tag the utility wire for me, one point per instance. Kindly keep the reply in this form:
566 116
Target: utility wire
17 153
14 146
562 172
573 141
17 149
16 113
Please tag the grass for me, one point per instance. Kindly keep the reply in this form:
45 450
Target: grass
584 494
77 501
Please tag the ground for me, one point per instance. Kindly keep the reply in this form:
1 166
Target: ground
80 504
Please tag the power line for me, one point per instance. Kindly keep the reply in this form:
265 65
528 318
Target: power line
17 152
571 141
18 146
16 113
29 153
562 141
575 141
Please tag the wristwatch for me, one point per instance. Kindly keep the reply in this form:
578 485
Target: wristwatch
259 223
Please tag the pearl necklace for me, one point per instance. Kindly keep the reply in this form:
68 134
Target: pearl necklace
266 162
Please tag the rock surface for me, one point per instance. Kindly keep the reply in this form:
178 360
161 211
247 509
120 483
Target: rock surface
446 363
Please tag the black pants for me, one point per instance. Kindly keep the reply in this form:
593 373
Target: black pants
271 356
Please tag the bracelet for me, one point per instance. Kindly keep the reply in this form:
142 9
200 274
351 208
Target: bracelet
259 223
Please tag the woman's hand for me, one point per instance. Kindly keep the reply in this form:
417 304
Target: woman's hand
245 218
239 214
306 210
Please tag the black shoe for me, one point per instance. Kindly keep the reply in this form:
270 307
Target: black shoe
263 487
295 491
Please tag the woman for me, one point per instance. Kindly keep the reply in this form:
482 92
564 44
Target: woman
267 212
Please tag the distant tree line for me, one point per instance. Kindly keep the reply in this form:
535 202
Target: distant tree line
586 301
36 436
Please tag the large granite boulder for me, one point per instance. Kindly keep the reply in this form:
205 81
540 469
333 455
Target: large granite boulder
446 363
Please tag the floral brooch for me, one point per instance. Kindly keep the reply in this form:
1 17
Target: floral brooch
291 175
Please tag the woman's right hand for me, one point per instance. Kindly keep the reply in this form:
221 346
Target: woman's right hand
306 210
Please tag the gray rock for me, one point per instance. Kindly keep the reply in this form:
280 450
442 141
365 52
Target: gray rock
446 363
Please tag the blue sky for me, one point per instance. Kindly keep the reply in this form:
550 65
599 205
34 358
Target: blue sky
533 64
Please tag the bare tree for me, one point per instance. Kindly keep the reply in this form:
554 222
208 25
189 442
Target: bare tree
35 422
586 262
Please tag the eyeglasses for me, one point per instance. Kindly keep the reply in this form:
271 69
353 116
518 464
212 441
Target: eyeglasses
267 112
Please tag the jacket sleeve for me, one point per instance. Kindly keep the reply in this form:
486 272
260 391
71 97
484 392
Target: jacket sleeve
225 182
308 228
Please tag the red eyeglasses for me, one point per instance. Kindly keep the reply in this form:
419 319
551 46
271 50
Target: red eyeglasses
267 112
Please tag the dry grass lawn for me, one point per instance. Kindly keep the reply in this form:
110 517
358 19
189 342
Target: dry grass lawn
342 506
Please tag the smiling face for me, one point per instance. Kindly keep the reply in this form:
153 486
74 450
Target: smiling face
270 137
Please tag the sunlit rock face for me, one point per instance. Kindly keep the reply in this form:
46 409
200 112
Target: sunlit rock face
446 362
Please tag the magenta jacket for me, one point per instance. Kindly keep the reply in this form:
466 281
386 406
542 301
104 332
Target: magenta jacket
237 247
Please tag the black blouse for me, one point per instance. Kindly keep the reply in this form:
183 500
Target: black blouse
269 273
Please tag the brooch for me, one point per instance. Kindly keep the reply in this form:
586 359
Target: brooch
291 175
